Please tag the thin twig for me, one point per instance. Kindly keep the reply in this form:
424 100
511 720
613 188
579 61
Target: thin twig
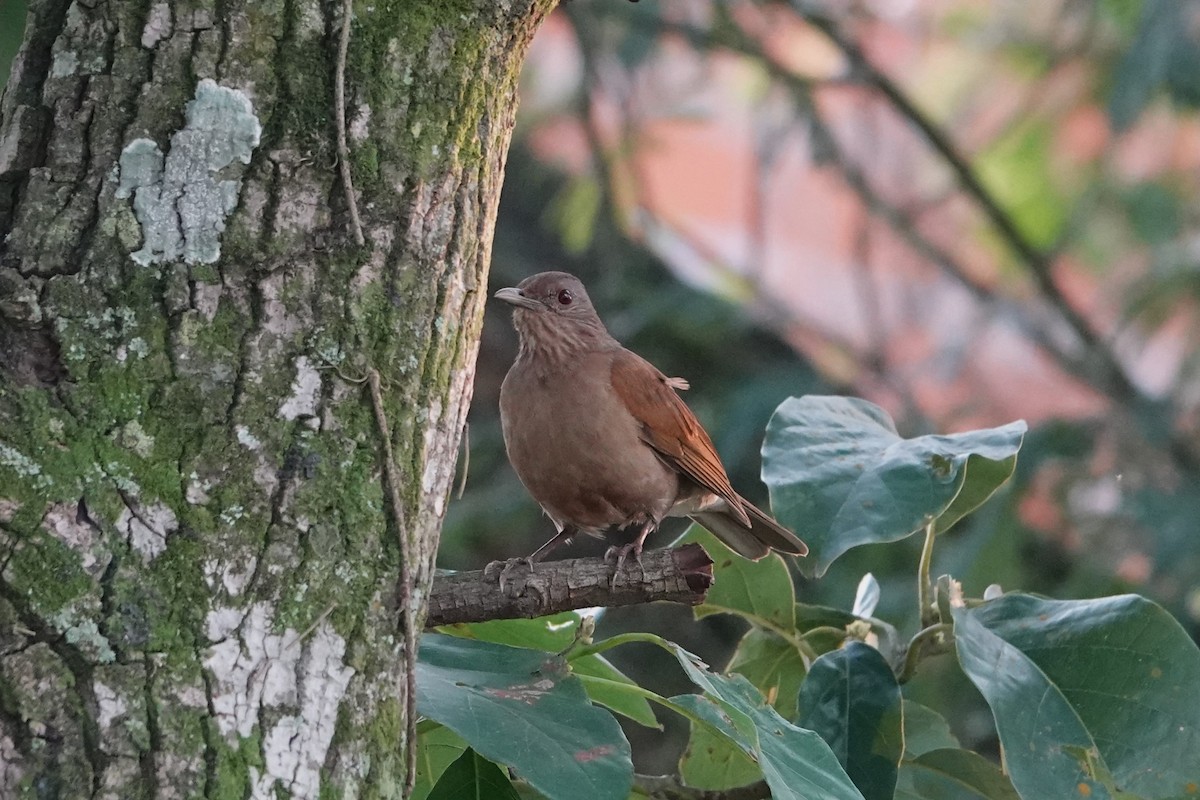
304 634
339 102
405 582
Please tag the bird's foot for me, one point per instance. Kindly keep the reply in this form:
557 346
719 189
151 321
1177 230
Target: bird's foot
500 570
619 554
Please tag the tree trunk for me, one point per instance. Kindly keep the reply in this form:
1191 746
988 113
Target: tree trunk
199 549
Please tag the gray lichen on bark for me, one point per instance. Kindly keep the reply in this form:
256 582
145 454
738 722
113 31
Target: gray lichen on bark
180 201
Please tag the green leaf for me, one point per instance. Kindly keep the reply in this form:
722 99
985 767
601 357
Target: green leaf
1016 168
613 689
952 774
437 748
1154 211
552 634
810 616
1086 692
773 665
831 621
574 212
983 477
1164 52
925 730
759 591
852 700
713 762
796 764
840 475
525 709
472 776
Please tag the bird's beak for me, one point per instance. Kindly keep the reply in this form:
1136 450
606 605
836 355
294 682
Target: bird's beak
517 298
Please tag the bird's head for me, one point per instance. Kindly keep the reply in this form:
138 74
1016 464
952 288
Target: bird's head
552 310
550 292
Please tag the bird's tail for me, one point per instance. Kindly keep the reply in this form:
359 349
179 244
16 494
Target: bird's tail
754 542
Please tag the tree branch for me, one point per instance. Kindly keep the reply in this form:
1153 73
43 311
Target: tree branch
681 575
1037 261
1097 365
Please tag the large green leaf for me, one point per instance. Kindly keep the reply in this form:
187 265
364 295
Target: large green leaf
1096 695
714 762
852 700
773 665
952 774
925 730
760 591
610 688
797 764
613 689
473 777
1163 54
524 708
437 748
840 475
552 634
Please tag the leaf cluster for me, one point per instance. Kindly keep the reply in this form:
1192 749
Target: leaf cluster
1090 698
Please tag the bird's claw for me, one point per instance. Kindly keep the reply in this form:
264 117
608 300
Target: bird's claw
499 570
620 554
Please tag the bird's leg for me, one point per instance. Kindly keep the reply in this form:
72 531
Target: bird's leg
634 547
562 537
506 566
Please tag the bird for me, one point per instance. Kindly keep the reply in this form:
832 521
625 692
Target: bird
601 439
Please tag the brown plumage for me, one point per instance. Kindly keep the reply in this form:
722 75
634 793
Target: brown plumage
600 438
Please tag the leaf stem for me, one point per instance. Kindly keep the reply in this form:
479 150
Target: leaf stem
929 615
619 639
928 641
656 698
797 641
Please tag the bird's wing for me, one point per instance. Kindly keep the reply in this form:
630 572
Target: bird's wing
670 427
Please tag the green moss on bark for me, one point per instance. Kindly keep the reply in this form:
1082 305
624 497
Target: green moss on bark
232 767
388 726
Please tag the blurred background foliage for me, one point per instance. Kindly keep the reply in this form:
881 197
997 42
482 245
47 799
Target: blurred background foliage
966 212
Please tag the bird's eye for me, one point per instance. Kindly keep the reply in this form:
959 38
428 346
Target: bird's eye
565 297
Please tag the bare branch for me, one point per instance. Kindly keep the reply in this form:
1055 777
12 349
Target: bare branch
680 575
1097 365
1038 262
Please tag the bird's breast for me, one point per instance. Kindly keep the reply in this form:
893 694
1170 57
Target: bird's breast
577 448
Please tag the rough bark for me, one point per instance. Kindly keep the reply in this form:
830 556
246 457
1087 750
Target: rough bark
198 555
681 575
